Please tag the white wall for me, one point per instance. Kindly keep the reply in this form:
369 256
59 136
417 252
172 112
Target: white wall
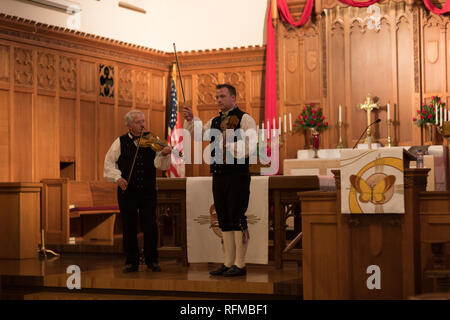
191 24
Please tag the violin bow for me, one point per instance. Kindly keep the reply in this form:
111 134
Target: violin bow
135 155
179 73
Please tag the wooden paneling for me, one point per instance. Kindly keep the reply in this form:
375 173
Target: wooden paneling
22 133
67 129
106 134
86 168
47 144
4 135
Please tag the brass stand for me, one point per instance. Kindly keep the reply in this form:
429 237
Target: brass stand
389 141
340 145
43 250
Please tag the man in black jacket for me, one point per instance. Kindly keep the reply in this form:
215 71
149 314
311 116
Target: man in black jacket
231 177
139 194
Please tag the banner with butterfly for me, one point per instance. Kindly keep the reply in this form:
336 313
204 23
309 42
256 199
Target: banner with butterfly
372 181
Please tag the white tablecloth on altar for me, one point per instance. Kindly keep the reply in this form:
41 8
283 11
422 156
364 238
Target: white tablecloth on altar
204 243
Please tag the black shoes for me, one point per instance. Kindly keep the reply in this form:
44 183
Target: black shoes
235 271
220 271
154 266
130 268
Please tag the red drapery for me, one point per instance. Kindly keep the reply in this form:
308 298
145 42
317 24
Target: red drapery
271 72
436 10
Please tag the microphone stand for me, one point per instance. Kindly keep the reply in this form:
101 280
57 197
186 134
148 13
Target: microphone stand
370 140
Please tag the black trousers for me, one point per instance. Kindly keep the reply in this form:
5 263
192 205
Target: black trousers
132 204
231 194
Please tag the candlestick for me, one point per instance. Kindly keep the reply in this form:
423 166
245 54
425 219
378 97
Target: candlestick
389 141
340 145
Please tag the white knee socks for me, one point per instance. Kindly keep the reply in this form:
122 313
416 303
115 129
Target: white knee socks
241 248
229 248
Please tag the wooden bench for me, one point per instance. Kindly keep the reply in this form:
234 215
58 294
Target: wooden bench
85 210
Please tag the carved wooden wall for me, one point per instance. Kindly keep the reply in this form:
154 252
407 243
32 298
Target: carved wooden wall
63 96
340 55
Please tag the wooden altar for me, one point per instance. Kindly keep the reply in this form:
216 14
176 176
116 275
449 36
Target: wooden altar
171 215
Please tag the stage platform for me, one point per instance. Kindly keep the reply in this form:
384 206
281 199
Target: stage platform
102 279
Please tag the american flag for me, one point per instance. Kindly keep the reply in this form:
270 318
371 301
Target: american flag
176 169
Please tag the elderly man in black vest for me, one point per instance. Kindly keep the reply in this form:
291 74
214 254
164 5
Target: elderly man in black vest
138 195
231 177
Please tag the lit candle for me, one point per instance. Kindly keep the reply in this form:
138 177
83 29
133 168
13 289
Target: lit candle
290 121
388 111
340 113
285 125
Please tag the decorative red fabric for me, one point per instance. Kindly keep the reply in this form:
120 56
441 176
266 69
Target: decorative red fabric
436 10
358 3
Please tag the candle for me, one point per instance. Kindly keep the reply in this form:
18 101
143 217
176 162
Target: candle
273 127
388 111
437 113
279 125
340 113
262 128
441 120
268 129
290 121
285 125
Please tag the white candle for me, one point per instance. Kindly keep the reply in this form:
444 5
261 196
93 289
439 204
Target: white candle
285 125
290 121
262 128
273 127
340 113
448 115
388 111
279 125
268 129
441 120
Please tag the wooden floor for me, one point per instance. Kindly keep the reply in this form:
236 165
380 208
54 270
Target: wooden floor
102 278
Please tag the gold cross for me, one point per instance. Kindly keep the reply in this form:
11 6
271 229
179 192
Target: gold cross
368 105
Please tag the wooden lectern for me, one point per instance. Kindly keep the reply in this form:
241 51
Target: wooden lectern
19 219
339 249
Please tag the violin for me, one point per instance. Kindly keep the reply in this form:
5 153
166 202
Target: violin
150 140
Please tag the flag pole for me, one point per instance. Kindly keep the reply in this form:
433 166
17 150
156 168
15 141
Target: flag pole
179 72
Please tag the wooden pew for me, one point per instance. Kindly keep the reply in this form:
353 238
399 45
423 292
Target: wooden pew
88 207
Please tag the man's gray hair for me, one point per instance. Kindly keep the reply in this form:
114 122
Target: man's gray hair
129 117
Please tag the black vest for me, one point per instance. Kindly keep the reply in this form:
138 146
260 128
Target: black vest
227 168
143 177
